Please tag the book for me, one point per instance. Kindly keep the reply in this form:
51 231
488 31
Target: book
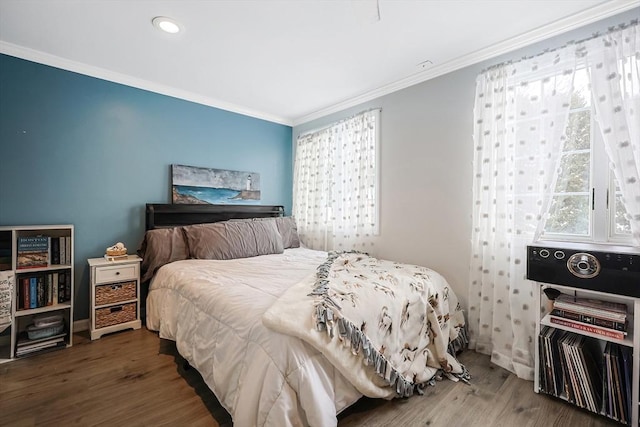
545 363
577 347
593 320
63 250
576 397
49 345
604 309
24 342
41 300
617 381
49 288
606 315
551 377
556 335
590 354
612 401
33 244
26 299
67 255
610 407
61 287
33 252
55 250
605 332
67 287
54 288
627 369
33 292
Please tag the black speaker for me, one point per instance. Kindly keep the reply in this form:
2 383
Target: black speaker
586 266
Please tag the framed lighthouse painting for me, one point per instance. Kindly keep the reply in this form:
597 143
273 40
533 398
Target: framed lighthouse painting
199 185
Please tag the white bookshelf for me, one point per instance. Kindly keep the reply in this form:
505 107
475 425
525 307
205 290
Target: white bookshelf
632 339
21 316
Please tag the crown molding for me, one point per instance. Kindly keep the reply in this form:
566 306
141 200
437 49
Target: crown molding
556 28
578 20
112 76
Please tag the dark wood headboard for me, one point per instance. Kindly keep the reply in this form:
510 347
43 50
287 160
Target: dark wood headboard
170 215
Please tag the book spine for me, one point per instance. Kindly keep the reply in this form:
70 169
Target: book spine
587 328
63 251
54 286
604 314
49 289
42 292
26 300
608 306
61 287
67 287
67 244
55 250
33 292
592 320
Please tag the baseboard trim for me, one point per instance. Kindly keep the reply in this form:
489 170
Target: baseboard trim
81 325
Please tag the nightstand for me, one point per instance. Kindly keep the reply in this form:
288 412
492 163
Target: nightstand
115 295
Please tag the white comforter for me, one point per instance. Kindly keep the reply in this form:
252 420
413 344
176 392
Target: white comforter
213 311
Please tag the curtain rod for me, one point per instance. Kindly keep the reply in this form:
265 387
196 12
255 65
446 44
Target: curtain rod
610 30
339 121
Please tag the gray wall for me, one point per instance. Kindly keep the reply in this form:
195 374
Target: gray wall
426 164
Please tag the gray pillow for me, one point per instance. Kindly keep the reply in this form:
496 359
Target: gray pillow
160 247
231 239
286 227
289 231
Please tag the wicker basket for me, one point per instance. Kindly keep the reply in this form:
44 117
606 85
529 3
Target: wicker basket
115 292
116 252
115 315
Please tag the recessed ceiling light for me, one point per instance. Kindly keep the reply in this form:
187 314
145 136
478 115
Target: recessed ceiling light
165 24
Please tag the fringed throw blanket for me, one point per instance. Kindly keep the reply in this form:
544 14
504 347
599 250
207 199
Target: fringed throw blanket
385 326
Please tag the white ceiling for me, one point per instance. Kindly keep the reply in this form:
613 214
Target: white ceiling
287 61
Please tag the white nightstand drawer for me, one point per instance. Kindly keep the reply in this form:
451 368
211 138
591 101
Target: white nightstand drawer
116 273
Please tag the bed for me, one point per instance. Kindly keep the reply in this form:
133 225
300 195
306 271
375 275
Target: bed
278 331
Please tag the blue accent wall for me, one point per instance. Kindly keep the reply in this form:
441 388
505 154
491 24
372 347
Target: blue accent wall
88 152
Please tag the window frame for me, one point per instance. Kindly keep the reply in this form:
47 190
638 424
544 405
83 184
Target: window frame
602 222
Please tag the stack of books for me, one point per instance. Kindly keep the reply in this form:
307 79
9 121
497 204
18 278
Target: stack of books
605 318
46 333
26 346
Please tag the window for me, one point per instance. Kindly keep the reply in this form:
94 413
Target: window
335 184
586 202
541 171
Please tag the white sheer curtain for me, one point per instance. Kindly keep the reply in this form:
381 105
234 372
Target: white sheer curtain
520 113
520 118
614 64
335 185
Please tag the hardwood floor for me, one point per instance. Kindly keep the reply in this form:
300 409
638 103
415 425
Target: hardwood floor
133 378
